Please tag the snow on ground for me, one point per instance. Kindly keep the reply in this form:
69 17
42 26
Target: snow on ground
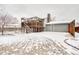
77 35
42 43
11 38
75 42
59 37
23 36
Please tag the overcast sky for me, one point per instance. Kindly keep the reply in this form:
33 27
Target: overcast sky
60 11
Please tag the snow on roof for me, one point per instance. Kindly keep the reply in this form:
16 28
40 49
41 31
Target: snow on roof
76 24
59 22
33 18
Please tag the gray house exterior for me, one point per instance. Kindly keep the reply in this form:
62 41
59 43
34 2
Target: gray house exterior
61 26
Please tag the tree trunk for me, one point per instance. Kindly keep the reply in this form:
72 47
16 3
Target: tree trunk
2 29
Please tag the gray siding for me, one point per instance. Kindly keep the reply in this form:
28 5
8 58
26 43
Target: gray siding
48 28
60 28
57 27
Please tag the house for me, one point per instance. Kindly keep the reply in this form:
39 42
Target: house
61 26
12 27
34 23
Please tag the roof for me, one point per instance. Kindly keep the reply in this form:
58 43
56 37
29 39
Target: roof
33 18
60 22
76 24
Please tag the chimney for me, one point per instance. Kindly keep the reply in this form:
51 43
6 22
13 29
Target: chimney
48 18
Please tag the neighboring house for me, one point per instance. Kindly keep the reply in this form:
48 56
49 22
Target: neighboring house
12 27
61 26
34 23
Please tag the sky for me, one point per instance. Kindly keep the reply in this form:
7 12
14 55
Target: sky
59 11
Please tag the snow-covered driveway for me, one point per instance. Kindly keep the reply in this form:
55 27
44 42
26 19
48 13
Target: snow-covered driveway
43 43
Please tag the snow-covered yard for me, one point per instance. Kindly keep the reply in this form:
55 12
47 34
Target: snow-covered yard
41 43
75 41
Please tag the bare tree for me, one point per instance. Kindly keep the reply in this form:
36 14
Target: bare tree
5 19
